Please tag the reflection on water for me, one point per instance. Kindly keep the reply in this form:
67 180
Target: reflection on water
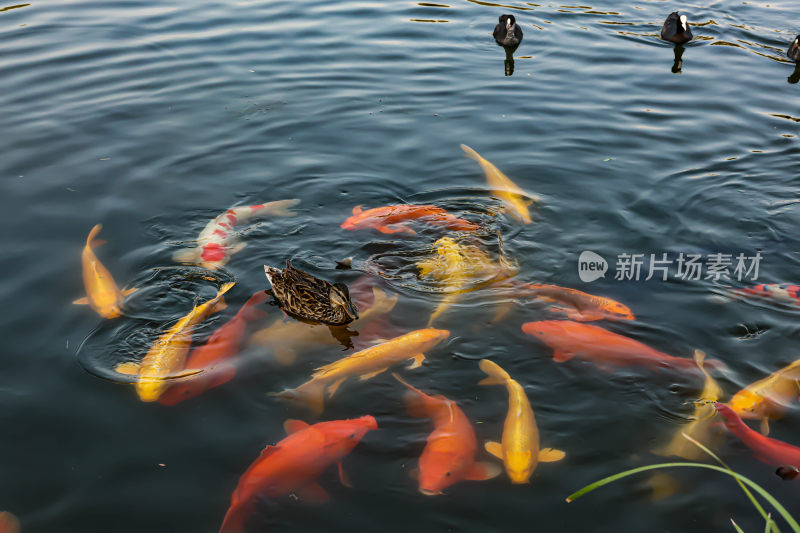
677 65
795 77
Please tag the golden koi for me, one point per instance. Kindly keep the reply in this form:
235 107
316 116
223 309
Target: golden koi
365 365
515 199
102 293
519 449
168 354
286 339
768 397
700 428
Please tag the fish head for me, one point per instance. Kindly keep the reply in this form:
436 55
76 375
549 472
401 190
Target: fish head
340 298
357 221
749 404
619 311
438 469
343 435
544 330
431 337
519 465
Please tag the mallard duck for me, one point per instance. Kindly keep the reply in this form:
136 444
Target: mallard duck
302 295
676 29
507 33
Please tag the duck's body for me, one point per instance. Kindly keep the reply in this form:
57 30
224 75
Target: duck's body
794 50
507 33
302 295
676 29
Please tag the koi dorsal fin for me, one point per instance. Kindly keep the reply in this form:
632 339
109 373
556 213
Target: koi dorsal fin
293 426
266 452
357 210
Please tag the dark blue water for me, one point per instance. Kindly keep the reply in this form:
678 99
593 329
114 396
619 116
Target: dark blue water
152 118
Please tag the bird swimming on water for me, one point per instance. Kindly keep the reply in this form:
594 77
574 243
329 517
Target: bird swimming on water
676 29
507 33
794 50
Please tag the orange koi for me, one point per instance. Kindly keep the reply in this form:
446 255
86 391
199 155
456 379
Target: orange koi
209 364
768 397
449 455
293 465
578 305
771 451
391 218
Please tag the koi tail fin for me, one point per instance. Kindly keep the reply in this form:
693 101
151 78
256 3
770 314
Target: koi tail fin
497 376
249 311
91 240
281 208
311 394
472 154
713 364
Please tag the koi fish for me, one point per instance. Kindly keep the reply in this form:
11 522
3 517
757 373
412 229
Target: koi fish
365 365
102 293
578 305
767 450
778 292
9 523
519 449
287 338
700 428
768 397
216 243
515 199
604 348
449 455
211 360
293 465
167 357
391 219
461 268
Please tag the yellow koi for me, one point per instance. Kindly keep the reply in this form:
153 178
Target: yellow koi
515 199
519 449
167 356
365 365
286 339
768 397
102 293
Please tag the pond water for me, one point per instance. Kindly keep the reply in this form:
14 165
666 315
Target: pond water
151 118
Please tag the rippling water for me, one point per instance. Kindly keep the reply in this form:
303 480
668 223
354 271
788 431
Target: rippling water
152 118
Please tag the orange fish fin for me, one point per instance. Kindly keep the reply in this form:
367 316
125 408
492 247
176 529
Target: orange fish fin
335 385
219 305
371 375
98 242
266 452
128 369
313 493
550 455
128 292
82 301
491 380
481 471
293 426
559 356
357 210
494 448
343 476
764 426
418 359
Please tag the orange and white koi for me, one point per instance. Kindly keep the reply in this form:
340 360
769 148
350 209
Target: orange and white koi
102 293
519 446
167 357
293 465
365 365
217 242
392 218
778 292
449 455
769 397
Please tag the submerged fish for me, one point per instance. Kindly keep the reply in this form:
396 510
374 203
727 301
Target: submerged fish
779 293
365 365
515 199
519 446
9 523
288 338
700 428
578 305
166 359
771 451
392 219
211 361
449 455
293 465
604 348
216 243
102 293
768 397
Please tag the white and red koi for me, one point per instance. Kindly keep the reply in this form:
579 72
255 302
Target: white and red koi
217 242
780 293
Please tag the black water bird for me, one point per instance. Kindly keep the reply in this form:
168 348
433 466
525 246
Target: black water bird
794 50
507 33
676 29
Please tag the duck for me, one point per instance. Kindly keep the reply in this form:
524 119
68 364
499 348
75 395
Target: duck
794 50
507 33
676 29
309 298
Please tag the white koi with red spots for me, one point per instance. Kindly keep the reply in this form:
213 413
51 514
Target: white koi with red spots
217 242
